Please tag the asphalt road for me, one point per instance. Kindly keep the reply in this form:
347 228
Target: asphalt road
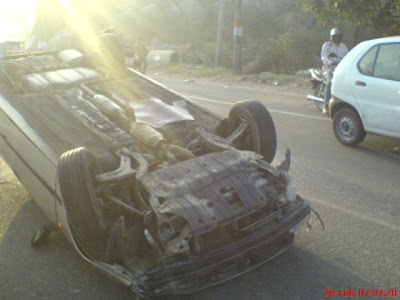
355 191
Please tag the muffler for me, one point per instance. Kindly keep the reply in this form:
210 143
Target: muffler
146 134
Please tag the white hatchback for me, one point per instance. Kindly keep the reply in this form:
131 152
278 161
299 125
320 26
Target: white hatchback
366 92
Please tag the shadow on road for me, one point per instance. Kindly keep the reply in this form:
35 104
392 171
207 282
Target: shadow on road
56 270
296 274
53 271
380 146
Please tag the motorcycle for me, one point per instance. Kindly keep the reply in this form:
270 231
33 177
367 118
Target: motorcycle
320 85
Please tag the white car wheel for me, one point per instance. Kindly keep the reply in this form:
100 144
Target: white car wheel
347 127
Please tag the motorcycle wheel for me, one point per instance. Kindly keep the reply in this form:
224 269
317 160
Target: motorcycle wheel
320 91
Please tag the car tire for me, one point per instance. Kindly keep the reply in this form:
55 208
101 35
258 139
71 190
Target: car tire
320 91
347 127
262 136
76 171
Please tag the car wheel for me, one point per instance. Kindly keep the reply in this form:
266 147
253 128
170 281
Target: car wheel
76 171
347 127
251 128
320 91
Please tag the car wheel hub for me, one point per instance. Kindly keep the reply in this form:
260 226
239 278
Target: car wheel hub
346 127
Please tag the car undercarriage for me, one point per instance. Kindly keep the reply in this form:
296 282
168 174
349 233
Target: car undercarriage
148 186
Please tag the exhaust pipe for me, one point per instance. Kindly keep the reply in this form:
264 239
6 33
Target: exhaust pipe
314 98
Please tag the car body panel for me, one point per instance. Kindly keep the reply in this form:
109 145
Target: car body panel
33 154
379 103
379 99
376 100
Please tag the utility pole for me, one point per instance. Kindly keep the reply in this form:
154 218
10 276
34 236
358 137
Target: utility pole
237 38
219 31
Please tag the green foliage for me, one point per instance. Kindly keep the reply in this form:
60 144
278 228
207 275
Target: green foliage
278 52
268 43
382 16
294 50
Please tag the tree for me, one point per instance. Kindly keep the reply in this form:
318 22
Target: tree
382 16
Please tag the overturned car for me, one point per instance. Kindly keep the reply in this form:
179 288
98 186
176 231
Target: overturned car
157 192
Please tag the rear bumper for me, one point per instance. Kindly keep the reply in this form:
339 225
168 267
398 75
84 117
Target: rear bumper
190 274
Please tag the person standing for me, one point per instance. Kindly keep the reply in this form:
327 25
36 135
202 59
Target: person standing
141 52
332 53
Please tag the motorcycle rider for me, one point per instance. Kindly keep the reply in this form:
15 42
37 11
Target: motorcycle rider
332 53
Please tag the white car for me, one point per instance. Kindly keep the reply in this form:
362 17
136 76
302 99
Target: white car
366 92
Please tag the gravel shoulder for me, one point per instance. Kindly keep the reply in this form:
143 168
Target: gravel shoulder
284 83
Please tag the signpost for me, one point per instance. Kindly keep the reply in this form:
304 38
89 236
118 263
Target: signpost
219 31
237 38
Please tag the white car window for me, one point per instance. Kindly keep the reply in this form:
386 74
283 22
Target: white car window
387 64
366 64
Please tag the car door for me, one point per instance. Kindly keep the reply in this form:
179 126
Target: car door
376 87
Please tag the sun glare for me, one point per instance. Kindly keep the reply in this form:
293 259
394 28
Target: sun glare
67 5
15 18
79 21
16 6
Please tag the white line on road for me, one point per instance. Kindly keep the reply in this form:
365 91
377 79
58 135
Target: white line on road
353 213
271 110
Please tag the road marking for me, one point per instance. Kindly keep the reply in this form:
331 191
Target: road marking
299 115
269 91
271 110
356 214
210 100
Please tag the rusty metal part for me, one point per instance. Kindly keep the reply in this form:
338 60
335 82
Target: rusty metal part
125 170
214 142
182 151
146 134
211 189
126 206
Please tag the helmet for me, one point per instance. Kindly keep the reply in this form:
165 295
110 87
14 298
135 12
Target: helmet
336 35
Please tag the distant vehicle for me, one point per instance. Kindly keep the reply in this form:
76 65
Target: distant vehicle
366 92
11 47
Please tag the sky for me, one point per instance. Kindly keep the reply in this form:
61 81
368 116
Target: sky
16 16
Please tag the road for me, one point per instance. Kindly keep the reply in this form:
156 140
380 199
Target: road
354 190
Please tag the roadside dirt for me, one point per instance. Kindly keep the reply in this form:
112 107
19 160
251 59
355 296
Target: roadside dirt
291 84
